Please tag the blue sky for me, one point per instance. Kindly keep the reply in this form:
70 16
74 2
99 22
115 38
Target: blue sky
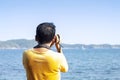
77 21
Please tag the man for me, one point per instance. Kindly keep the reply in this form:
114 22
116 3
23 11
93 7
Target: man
41 63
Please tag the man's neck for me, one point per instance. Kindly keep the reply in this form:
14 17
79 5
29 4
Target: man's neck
42 47
46 45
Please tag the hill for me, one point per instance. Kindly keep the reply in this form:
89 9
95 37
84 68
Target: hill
17 44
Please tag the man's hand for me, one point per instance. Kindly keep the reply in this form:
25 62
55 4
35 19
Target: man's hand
57 43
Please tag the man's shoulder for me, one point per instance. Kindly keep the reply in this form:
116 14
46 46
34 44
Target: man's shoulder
27 51
54 53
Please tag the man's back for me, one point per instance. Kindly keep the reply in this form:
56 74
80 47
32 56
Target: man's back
44 65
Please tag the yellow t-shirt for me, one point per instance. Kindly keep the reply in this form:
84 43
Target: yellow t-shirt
44 65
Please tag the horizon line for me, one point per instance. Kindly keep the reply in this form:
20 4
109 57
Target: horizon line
72 43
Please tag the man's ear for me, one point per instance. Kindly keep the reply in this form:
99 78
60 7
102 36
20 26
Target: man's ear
36 38
53 41
54 38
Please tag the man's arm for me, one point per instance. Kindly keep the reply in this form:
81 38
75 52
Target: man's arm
24 60
63 61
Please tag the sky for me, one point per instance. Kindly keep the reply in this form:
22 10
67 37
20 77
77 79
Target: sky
77 21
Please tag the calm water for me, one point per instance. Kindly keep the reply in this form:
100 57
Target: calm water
83 65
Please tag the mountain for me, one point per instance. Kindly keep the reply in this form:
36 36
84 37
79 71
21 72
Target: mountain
24 43
17 44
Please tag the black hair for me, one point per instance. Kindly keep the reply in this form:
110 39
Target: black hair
45 32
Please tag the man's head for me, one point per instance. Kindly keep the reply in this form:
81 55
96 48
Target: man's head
45 32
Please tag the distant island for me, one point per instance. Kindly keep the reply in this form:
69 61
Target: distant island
25 44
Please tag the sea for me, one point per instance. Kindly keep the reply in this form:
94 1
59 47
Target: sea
86 64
